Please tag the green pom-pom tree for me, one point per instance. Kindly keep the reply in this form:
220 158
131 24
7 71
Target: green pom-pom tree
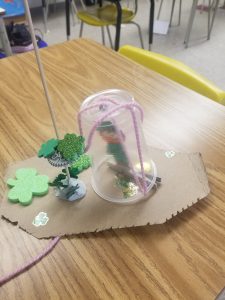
68 151
82 163
71 147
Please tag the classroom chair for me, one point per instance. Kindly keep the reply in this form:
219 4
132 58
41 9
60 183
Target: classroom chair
107 15
172 11
176 71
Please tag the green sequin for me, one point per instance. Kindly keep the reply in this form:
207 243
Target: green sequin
127 187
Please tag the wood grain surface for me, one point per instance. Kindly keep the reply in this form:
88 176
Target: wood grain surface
182 259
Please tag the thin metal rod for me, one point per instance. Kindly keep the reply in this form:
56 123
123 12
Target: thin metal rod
214 14
139 32
180 5
118 25
81 28
67 8
172 11
45 14
103 35
209 18
190 22
160 8
109 35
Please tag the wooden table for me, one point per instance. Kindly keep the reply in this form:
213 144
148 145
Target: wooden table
182 259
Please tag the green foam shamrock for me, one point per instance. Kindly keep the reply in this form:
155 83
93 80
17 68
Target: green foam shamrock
26 185
71 147
48 148
82 163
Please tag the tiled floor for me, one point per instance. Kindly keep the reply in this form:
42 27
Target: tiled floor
207 57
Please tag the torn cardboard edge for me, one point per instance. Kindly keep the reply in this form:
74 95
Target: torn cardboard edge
184 182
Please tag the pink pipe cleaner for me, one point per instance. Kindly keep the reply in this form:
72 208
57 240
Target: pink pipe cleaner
31 263
97 105
129 106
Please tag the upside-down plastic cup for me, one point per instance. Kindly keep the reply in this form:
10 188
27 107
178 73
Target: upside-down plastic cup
122 170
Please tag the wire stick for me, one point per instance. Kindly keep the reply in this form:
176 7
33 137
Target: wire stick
42 74
41 69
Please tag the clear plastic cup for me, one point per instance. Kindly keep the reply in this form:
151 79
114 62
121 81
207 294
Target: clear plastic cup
122 171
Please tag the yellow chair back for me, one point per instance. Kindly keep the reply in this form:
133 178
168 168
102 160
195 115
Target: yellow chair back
176 71
104 16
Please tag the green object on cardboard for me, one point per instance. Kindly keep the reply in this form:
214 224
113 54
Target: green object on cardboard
82 163
71 147
48 148
26 185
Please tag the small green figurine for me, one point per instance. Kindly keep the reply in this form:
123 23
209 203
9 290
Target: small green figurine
114 147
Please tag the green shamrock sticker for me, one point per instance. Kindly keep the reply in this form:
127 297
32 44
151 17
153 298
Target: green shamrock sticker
71 147
41 219
26 185
48 148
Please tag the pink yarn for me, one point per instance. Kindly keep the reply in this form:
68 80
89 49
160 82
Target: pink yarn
31 263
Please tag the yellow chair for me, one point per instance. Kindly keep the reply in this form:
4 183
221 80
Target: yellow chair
105 16
176 71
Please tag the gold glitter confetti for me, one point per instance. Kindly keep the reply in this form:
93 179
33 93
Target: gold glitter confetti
128 188
147 167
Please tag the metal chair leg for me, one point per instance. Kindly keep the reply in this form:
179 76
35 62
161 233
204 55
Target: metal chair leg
190 22
160 7
151 23
73 12
139 32
110 38
4 38
213 17
180 5
74 7
45 4
103 35
81 28
209 17
83 5
172 11
54 8
47 8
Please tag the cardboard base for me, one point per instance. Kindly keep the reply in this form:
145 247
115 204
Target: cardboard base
184 182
